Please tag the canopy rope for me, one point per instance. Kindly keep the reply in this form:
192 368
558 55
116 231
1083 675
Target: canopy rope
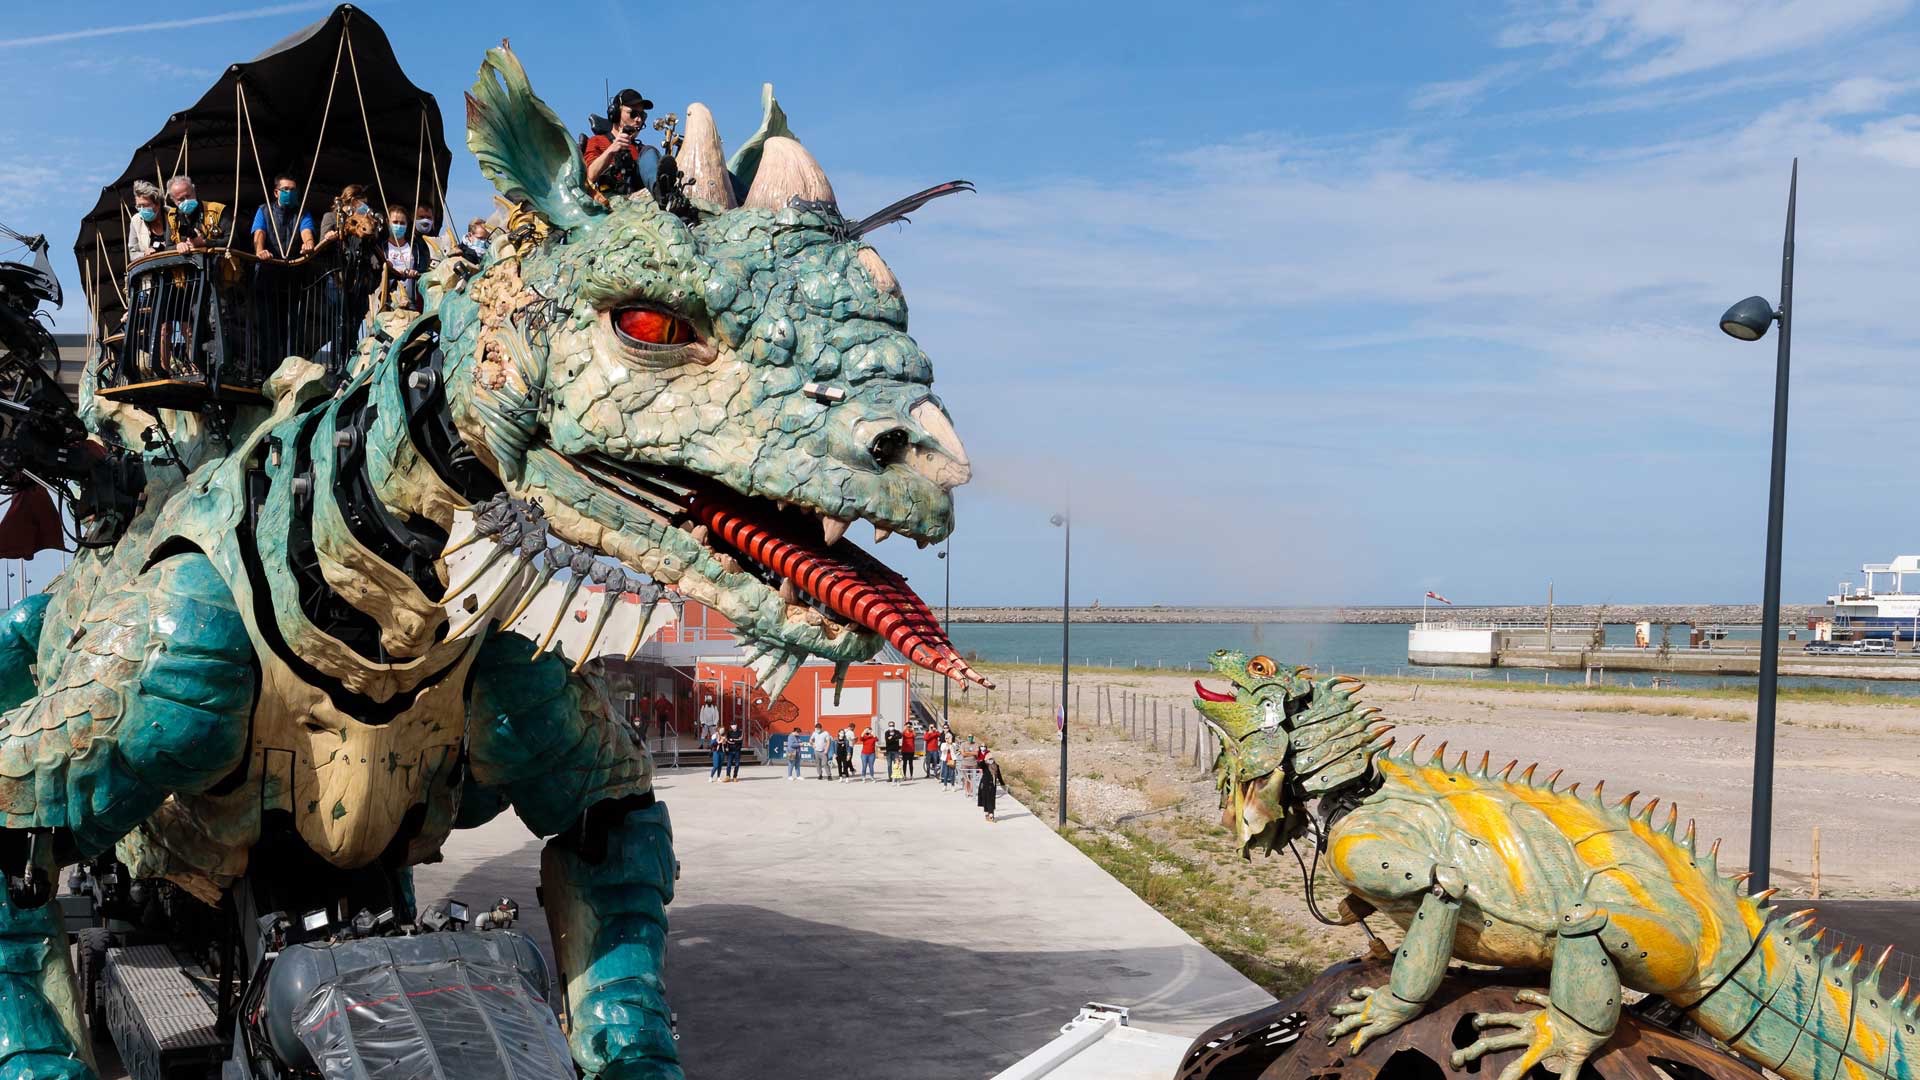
101 243
419 161
366 125
446 212
272 222
321 139
233 210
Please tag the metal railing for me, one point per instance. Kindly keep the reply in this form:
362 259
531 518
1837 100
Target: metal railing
212 323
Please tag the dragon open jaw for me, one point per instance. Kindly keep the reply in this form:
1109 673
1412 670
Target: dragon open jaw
792 551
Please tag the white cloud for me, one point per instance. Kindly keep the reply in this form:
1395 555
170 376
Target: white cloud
263 12
1649 40
1282 352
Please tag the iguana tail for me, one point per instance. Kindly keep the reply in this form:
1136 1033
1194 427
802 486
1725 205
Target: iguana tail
1809 1011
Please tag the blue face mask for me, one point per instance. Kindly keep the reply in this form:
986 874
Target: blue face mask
287 197
148 214
188 206
399 231
361 209
425 225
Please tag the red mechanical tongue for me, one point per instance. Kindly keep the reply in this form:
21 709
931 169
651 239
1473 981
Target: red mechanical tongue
1209 695
864 592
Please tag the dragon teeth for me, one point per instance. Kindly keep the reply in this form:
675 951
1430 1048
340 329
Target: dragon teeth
833 529
788 591
880 534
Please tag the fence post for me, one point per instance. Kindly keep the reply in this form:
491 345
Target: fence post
1156 723
1183 733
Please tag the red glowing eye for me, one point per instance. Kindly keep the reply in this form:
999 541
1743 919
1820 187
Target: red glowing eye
651 327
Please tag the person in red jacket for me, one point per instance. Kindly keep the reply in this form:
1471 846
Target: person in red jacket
906 753
933 752
869 743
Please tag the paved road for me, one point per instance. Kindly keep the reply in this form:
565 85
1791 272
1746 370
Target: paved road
834 930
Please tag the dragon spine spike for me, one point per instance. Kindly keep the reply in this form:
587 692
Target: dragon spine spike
1439 756
1600 792
1741 877
1885 955
547 570
1506 773
559 614
1527 773
1386 748
1485 757
1764 895
487 563
1906 984
599 626
1554 780
1380 732
1853 961
1413 748
1690 835
1646 812
1461 765
1348 679
1626 803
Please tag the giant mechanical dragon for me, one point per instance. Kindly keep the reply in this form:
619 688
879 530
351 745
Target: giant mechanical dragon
358 618
1511 870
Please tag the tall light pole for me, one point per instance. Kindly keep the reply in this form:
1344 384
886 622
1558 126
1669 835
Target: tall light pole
1065 523
1748 320
946 685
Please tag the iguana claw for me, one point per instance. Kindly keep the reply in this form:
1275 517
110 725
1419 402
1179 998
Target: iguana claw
1374 1012
1550 1038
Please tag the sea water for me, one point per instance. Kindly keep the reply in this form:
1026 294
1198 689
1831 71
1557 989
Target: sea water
1359 648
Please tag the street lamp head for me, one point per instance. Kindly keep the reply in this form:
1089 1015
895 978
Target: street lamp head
1748 320
1057 520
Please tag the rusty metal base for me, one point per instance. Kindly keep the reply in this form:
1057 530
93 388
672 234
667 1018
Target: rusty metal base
1288 1041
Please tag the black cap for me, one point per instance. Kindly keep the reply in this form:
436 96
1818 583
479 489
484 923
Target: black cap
632 99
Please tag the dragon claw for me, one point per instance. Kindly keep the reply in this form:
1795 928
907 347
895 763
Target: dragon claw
1374 1011
1547 1037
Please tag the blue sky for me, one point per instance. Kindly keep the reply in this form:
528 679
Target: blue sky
1305 303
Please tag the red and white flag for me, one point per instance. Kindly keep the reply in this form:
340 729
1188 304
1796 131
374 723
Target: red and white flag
1431 595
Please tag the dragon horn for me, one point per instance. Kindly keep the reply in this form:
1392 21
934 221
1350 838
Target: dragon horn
703 160
787 172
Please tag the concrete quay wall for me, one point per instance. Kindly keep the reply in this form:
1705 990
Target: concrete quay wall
1707 662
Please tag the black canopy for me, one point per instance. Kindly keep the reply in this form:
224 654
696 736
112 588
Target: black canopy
275 106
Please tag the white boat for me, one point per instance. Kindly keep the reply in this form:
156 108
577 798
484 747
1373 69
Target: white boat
1861 614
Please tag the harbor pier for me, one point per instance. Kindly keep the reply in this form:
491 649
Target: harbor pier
1577 648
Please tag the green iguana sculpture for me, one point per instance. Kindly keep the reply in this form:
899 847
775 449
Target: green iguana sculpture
1503 869
356 619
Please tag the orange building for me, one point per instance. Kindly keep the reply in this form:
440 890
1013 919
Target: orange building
698 659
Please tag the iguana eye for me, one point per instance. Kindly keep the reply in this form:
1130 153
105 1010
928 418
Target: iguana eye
647 326
1261 667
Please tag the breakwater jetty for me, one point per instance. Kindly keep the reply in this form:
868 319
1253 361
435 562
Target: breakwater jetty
1531 614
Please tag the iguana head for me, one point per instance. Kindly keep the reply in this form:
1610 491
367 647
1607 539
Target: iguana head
1286 738
710 397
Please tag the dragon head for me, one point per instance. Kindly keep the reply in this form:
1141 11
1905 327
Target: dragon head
708 392
1285 738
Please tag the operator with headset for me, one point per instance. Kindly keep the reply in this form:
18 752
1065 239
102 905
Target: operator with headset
618 163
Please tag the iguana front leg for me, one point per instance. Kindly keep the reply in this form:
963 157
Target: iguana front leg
1577 1014
549 742
1418 966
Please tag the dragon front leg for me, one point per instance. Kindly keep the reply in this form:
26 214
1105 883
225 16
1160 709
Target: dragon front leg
549 743
19 644
151 698
1577 1014
1418 966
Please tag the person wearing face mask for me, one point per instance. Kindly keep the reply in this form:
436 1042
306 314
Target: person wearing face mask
281 229
349 218
193 223
147 231
478 237
406 253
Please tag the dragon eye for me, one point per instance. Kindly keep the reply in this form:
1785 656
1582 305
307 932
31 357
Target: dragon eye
649 327
1262 667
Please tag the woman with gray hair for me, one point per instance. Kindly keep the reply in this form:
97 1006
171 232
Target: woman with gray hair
147 230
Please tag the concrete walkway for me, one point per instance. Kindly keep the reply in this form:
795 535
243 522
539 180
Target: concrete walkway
828 930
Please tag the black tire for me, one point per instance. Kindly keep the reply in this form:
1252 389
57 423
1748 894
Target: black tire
90 972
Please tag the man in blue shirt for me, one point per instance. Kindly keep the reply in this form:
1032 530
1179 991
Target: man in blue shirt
281 230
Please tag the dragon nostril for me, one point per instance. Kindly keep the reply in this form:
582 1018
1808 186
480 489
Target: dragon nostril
888 447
